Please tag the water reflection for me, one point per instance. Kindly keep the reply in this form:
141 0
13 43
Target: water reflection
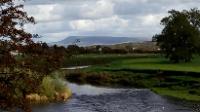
90 90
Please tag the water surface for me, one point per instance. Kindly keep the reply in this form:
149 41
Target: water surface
87 98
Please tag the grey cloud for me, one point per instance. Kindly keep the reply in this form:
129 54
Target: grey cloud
134 18
42 2
128 7
132 8
51 27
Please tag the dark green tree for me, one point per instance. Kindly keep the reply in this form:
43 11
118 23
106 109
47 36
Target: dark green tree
180 38
193 16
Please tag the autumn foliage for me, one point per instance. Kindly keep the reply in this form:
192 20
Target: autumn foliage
23 63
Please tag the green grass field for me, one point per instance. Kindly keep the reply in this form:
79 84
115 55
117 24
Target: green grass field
157 63
132 61
179 94
100 59
152 63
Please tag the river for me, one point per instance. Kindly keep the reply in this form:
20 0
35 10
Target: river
87 98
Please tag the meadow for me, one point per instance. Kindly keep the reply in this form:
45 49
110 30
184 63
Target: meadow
133 61
100 59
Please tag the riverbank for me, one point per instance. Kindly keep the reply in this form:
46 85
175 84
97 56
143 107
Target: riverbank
180 81
181 87
36 98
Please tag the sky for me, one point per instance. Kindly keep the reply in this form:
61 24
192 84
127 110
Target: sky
58 19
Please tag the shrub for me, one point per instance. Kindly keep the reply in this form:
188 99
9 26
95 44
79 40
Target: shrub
47 87
59 84
52 86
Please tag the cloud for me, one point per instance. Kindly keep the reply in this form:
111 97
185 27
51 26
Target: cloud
101 9
99 24
151 19
42 13
57 19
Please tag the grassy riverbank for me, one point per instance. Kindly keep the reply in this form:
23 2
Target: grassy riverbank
100 59
143 71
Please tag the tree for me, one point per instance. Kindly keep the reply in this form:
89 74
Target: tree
180 38
22 74
13 38
193 16
12 34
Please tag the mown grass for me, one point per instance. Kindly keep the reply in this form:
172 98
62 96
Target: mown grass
131 61
158 63
99 59
120 71
151 63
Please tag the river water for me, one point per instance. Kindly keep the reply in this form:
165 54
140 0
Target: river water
87 98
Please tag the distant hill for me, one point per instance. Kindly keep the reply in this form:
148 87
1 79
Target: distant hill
96 40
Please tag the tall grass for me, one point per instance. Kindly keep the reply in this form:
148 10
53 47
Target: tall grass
48 87
52 86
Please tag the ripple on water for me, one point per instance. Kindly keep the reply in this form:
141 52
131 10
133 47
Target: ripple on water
88 98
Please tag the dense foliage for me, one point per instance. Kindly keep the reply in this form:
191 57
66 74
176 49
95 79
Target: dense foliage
180 38
23 63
